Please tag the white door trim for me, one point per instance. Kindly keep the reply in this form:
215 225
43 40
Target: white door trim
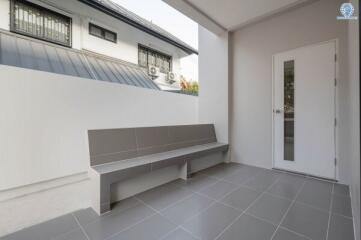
336 42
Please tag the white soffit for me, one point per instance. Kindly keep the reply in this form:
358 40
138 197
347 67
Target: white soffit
220 15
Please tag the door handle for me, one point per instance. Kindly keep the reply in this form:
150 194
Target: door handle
278 111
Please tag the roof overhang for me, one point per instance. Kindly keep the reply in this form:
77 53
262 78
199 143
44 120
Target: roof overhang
231 15
117 15
197 15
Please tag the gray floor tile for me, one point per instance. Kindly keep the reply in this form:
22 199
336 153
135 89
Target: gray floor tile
115 223
203 218
319 184
221 170
86 216
163 196
317 194
340 228
307 221
270 208
24 234
241 198
342 205
263 180
285 188
179 234
249 228
341 189
219 189
46 230
74 235
125 204
187 208
211 222
242 175
283 234
197 182
214 170
152 228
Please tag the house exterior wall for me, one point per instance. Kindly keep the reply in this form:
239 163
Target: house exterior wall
252 51
128 37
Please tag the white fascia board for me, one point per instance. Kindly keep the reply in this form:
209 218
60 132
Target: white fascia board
196 15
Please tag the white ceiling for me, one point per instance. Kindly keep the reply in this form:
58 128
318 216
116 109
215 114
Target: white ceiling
233 14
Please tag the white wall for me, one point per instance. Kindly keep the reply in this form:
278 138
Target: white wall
30 209
252 50
44 147
4 14
213 81
354 88
44 133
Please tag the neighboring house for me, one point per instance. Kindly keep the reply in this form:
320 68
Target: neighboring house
92 39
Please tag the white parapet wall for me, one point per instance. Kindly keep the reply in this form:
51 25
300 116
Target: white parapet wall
44 147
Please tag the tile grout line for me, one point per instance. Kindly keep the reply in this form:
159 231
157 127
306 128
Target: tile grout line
130 226
329 215
174 230
323 210
169 233
288 209
268 221
224 204
305 179
309 205
303 203
244 212
176 202
193 193
81 227
159 213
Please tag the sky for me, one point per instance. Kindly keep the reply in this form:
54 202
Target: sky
174 22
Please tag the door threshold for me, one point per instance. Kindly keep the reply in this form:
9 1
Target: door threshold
306 175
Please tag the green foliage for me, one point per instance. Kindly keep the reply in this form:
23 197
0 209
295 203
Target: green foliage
189 87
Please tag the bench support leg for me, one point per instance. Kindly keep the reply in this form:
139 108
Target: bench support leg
184 170
100 193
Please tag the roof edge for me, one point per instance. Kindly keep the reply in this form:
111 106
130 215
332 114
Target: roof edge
141 27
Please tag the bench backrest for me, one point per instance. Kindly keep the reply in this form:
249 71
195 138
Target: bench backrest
109 145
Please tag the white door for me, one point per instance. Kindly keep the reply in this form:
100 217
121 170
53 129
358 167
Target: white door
304 110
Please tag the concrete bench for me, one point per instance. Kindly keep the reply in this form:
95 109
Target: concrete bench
120 154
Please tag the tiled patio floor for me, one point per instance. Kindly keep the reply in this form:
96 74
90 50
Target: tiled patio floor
228 202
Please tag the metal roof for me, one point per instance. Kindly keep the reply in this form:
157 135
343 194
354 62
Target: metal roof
121 13
19 51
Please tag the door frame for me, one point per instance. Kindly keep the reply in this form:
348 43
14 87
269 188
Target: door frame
336 107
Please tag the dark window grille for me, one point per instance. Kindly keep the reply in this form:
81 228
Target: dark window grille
35 21
102 33
147 57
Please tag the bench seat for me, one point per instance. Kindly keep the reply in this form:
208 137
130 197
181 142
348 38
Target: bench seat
120 154
154 159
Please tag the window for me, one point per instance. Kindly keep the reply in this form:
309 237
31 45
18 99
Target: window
149 56
38 22
102 33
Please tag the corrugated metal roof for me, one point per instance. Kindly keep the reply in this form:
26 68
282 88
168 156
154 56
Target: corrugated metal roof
113 9
25 52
